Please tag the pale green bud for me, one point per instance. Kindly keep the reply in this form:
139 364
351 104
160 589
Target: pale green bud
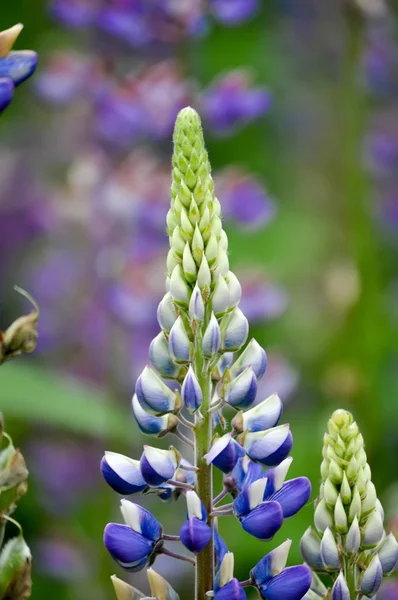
216 226
340 517
369 501
178 287
345 490
353 538
335 472
220 297
323 517
193 214
177 242
330 493
329 551
204 275
188 264
373 531
171 220
352 469
123 590
166 313
325 469
204 223
197 246
172 260
222 263
234 289
186 226
356 505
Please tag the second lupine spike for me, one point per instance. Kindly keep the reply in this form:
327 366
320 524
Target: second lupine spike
348 541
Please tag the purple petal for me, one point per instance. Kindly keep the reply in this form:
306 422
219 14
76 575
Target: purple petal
264 521
18 65
233 12
122 474
293 495
195 534
6 92
125 545
231 591
292 584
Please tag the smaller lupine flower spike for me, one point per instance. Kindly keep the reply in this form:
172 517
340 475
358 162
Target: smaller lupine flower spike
154 395
226 586
179 344
166 314
264 415
329 551
234 330
195 533
254 356
191 392
388 554
160 588
212 338
160 358
122 473
372 578
241 391
224 453
340 589
196 305
158 466
268 447
150 424
135 544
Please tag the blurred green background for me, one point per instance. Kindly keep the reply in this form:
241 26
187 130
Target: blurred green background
335 259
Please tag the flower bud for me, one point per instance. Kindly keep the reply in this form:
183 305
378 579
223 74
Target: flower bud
372 578
178 287
388 554
269 447
329 551
235 329
264 415
373 532
211 251
355 506
310 547
369 502
150 424
330 493
188 264
123 590
234 289
153 394
340 517
345 490
160 588
212 338
196 305
241 391
353 538
322 517
160 358
157 466
191 392
335 472
222 262
195 533
340 589
220 297
197 246
254 356
204 275
224 453
131 550
122 473
179 344
166 313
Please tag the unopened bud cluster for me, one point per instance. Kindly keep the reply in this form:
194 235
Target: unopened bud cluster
348 541
194 380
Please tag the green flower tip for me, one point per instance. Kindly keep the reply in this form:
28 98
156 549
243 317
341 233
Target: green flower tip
342 418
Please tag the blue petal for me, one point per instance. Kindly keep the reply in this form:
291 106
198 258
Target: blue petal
227 459
18 65
231 591
220 548
293 495
125 545
245 472
151 476
150 526
292 584
272 460
264 521
149 424
195 534
127 479
6 92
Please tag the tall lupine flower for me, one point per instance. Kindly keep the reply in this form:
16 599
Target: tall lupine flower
348 541
15 66
202 327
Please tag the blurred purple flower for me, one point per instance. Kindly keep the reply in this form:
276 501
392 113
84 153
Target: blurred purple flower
231 101
60 559
389 591
261 300
233 12
243 198
76 14
379 68
281 375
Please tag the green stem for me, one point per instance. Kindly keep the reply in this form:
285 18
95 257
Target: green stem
349 574
204 576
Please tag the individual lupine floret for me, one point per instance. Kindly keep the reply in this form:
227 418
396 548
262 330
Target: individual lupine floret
150 424
122 473
349 540
158 466
195 533
154 395
264 415
224 453
226 586
269 447
15 66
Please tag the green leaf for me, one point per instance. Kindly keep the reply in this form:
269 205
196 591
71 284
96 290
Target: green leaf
15 559
36 395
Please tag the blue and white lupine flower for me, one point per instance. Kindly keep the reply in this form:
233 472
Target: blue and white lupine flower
212 338
234 330
244 473
220 547
264 415
191 392
166 313
195 533
225 585
224 453
253 356
241 391
179 344
150 424
271 564
196 305
161 359
154 395
135 544
158 466
122 473
268 447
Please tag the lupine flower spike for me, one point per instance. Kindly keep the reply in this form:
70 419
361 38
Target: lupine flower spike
348 541
202 327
